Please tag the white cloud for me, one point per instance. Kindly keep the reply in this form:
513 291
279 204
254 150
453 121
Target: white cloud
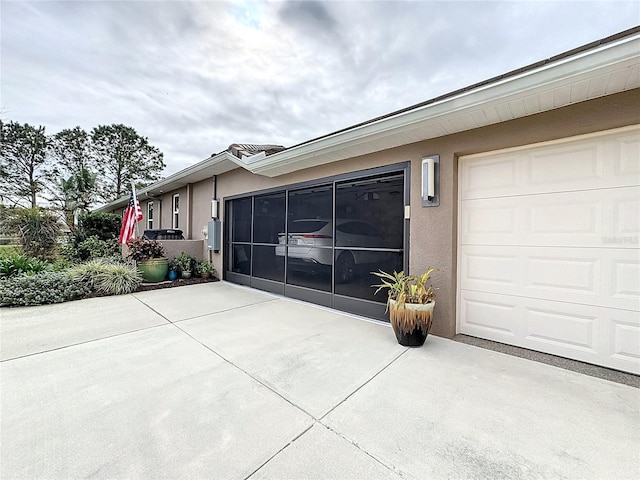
197 76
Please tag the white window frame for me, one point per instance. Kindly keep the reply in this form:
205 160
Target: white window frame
175 206
150 215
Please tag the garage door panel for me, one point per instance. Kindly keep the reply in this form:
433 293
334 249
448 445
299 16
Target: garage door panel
549 259
625 278
492 178
483 267
489 316
575 166
625 157
489 222
583 163
594 218
589 276
562 273
624 340
626 215
561 325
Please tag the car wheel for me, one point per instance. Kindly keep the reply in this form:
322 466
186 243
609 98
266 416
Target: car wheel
344 267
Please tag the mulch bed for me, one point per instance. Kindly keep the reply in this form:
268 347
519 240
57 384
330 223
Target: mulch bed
181 282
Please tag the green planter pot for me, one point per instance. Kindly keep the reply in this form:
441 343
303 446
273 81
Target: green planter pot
154 270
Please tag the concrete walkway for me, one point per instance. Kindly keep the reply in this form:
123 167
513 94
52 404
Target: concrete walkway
218 381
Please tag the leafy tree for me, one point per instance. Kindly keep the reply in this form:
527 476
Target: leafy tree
124 157
75 194
75 169
23 162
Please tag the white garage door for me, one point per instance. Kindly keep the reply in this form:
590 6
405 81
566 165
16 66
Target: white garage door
549 247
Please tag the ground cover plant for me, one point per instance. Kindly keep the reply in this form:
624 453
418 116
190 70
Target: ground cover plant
40 288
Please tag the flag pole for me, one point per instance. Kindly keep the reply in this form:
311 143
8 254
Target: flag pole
135 206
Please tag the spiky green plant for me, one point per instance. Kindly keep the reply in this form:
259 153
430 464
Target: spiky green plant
405 294
38 230
18 264
86 272
404 288
117 279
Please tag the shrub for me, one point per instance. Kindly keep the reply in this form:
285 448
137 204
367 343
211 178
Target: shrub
17 264
144 249
104 226
94 247
107 276
117 279
38 231
39 289
205 267
185 262
85 273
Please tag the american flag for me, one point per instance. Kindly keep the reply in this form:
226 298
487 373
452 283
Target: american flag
132 215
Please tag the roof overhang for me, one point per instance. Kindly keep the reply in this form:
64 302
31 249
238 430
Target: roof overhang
609 69
606 69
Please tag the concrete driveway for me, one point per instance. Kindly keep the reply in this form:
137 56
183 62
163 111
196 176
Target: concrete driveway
219 381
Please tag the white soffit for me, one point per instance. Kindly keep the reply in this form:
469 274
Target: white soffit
605 70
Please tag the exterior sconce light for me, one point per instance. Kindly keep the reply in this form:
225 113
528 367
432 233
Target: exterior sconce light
431 181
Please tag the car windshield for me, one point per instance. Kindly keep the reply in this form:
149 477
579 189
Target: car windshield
307 226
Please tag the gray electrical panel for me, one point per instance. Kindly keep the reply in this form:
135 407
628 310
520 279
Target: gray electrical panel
214 235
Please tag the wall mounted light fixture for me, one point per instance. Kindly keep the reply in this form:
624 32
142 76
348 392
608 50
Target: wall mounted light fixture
431 181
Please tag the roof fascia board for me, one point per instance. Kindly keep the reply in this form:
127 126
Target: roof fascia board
172 181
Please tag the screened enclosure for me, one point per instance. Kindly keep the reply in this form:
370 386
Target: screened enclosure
320 241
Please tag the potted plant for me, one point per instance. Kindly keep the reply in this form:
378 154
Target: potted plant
410 302
173 270
150 258
185 263
205 269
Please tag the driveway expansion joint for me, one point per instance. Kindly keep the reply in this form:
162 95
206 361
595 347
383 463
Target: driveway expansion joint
281 450
393 360
253 377
63 347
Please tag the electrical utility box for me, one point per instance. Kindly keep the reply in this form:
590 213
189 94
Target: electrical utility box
214 235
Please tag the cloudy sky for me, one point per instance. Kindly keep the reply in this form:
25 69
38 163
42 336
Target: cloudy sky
195 77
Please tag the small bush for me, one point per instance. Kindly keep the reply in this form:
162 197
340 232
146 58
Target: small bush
117 280
104 226
39 289
107 276
18 264
93 247
144 249
85 273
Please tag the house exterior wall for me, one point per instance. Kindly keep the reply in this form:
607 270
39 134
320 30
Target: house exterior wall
433 230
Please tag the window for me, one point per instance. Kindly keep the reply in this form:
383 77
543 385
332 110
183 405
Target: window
149 215
176 210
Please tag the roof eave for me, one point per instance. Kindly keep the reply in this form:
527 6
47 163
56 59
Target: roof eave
466 110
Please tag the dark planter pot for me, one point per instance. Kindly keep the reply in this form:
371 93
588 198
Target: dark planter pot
421 316
415 338
154 269
173 275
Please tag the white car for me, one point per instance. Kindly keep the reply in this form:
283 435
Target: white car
311 240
